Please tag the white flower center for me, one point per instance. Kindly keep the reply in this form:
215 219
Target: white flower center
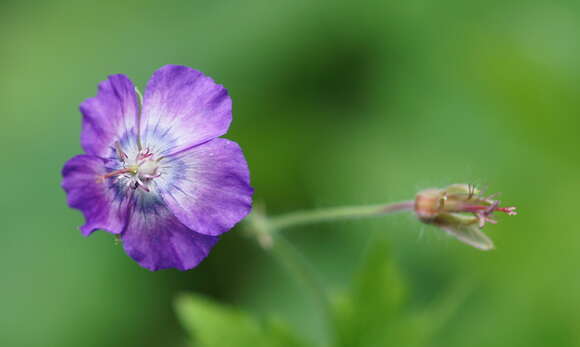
137 171
148 169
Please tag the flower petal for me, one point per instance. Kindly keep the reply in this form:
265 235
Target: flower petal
156 240
207 187
101 206
186 104
109 116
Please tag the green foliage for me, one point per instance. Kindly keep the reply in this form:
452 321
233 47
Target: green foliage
365 315
211 324
374 312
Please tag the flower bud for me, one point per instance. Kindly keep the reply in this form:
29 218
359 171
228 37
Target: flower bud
461 210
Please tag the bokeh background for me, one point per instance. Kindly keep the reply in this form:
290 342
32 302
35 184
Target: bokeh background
335 103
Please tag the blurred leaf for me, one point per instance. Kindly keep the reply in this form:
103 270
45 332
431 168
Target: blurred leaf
418 328
374 314
211 324
374 302
280 335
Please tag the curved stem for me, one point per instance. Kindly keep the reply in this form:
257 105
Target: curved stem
337 213
265 230
297 264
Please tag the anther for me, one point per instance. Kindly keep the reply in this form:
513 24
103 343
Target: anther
122 155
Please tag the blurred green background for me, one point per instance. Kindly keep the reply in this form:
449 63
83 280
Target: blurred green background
335 103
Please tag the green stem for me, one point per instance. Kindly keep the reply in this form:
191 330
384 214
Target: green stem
265 229
337 213
298 265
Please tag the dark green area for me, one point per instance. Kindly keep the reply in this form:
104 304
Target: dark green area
335 103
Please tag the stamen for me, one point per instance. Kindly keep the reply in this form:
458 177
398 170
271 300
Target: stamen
142 156
122 155
483 219
492 208
474 208
101 179
138 120
488 210
490 220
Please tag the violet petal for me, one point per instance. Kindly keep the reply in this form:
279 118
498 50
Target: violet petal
109 116
185 103
101 206
156 240
208 187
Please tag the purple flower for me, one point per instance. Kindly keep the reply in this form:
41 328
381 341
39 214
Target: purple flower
155 173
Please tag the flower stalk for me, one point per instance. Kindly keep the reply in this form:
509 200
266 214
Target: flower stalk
337 213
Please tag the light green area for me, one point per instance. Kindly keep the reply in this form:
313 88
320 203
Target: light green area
370 312
335 104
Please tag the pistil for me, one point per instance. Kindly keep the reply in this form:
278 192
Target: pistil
137 172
